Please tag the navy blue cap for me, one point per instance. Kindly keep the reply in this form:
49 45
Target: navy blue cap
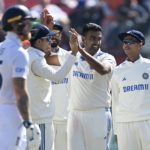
57 26
40 31
134 33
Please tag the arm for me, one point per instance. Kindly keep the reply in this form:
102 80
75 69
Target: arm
22 97
100 67
40 68
32 130
20 72
52 60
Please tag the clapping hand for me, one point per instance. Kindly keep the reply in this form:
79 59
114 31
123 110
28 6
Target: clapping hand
47 19
74 43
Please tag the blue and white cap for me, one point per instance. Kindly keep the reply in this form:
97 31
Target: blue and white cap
135 33
40 31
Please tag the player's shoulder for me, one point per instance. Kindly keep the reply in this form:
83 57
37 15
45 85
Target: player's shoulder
145 60
14 50
102 54
10 45
22 54
119 68
107 58
33 52
121 65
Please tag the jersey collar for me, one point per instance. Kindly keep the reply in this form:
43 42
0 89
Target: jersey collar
40 53
138 61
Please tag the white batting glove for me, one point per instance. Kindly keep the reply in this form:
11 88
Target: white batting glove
33 135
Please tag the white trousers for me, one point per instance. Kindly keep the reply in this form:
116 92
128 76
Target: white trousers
87 130
11 128
60 135
134 135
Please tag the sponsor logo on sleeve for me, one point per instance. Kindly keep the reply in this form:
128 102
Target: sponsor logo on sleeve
20 70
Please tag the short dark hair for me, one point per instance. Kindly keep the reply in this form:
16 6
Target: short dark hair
91 27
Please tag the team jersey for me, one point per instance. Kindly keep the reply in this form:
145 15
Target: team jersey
131 91
89 89
60 93
39 85
13 64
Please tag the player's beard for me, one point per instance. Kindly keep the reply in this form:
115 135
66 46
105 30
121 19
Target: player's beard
92 50
54 45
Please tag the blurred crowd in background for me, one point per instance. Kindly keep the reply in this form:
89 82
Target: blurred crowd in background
114 16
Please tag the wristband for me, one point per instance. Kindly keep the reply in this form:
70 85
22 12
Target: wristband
27 124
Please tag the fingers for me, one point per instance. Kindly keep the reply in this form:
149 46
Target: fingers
47 19
74 36
73 32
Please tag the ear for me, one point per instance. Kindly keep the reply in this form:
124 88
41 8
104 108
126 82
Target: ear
39 41
141 44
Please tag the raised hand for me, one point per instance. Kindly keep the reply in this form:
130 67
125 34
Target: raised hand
74 43
47 19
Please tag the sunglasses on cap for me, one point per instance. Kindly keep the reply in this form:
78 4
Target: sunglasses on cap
58 34
130 42
48 38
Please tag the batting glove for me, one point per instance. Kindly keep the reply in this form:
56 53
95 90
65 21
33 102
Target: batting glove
33 135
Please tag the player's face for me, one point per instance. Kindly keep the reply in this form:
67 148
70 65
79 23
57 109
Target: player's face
92 41
45 45
56 39
131 46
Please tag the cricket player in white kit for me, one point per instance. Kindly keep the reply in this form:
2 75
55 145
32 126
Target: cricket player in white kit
14 101
60 94
90 93
131 95
39 85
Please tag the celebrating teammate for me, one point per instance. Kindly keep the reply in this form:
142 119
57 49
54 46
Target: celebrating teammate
14 101
90 91
38 81
131 95
60 94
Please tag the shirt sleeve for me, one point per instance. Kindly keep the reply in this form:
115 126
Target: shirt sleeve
21 65
108 60
40 68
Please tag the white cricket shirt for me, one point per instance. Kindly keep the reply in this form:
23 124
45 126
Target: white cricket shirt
60 93
89 89
131 91
39 85
13 63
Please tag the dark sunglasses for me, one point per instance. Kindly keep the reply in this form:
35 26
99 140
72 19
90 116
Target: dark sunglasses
129 42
